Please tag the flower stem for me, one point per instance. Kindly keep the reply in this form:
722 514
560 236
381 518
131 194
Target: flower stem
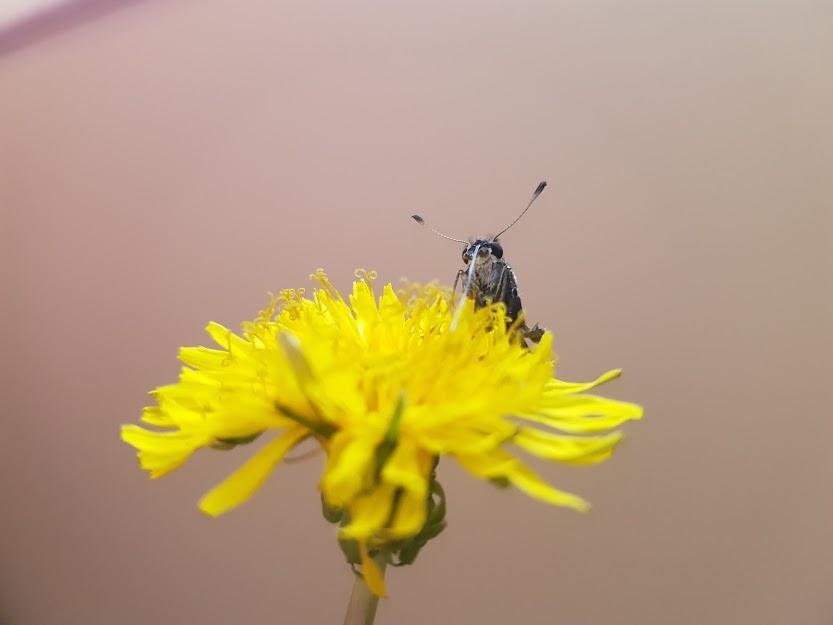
362 607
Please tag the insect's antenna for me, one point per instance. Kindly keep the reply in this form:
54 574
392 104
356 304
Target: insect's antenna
421 222
541 186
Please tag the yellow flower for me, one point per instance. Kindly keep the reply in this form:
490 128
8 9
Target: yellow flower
386 388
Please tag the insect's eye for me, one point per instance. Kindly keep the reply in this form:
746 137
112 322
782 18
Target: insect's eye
497 250
466 256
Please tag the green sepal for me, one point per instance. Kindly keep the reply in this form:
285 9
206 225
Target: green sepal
405 552
331 514
432 531
386 448
436 512
350 549
398 552
234 441
500 482
322 428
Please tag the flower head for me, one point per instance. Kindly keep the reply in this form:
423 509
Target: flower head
386 388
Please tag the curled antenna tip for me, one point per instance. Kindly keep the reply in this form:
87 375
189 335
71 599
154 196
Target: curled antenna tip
421 222
541 186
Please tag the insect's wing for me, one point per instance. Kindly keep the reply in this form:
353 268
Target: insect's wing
506 291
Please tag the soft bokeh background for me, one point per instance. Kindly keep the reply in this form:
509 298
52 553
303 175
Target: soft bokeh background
170 163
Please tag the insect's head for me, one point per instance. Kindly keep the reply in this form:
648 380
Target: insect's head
483 248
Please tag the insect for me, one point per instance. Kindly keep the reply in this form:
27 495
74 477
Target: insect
488 278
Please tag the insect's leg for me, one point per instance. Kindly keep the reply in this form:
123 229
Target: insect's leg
458 309
534 334
460 274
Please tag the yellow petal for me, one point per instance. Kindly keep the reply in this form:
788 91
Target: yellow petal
492 464
227 339
203 357
411 511
163 442
569 449
390 306
372 575
369 513
470 439
408 467
242 484
161 464
583 413
560 386
154 416
363 302
348 468
500 464
162 452
526 480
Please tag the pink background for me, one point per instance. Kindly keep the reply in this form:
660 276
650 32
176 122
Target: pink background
170 163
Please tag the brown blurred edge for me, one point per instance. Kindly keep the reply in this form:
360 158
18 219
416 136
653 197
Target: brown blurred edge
56 20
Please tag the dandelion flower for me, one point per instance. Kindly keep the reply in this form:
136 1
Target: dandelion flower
386 388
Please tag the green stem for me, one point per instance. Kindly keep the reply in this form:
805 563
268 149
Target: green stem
362 607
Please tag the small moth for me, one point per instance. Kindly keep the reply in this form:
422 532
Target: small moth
488 278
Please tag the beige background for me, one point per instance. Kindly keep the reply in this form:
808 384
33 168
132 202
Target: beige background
169 163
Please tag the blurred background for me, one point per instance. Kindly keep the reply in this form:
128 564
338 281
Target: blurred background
163 164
